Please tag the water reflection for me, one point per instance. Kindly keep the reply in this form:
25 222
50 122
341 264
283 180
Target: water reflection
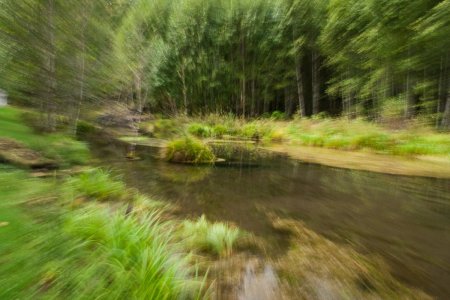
404 219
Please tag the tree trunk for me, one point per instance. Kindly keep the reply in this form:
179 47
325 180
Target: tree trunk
81 79
243 91
315 83
446 116
410 98
184 89
301 96
50 68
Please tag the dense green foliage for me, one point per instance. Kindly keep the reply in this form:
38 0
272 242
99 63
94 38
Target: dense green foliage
377 59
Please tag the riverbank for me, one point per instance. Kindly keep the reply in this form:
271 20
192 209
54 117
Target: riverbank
423 166
415 150
92 234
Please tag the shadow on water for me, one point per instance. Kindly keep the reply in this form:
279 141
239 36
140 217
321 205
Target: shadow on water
406 220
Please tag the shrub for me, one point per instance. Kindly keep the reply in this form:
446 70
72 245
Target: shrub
217 238
189 150
98 185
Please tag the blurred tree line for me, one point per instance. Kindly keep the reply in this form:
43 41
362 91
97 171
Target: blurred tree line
369 58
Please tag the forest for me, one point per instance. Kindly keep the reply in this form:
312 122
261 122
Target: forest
370 59
224 149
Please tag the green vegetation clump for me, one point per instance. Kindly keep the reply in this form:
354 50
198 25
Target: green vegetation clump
220 130
358 135
126 257
99 185
189 150
163 128
216 238
278 115
255 130
200 130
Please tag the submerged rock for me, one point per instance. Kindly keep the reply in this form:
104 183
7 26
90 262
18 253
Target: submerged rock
18 154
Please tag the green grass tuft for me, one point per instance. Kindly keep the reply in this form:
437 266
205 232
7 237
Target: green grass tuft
98 184
217 238
189 150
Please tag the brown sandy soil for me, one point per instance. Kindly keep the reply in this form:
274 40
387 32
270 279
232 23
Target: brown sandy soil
426 166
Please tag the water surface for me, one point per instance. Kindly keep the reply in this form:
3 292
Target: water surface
405 220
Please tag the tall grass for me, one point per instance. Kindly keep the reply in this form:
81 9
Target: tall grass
50 252
322 131
98 184
359 134
216 238
124 258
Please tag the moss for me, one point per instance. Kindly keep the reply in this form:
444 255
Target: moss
189 150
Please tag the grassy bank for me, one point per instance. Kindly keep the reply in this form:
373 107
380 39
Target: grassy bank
56 246
57 146
89 235
342 134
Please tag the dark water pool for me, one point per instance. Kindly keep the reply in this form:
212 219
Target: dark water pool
405 220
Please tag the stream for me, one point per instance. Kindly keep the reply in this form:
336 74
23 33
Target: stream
404 220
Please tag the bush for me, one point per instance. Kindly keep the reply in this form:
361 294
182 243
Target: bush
217 238
99 185
189 150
